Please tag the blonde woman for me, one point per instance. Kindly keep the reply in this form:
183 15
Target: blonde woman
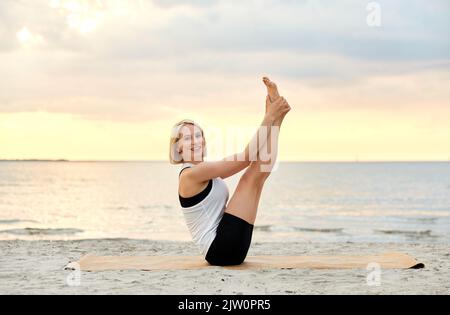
223 231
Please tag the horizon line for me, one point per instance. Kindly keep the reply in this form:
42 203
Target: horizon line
281 161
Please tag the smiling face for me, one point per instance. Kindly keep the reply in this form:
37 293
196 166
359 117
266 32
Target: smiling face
191 143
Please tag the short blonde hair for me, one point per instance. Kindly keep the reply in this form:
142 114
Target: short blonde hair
174 156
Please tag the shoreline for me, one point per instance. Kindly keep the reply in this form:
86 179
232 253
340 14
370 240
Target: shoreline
37 267
286 161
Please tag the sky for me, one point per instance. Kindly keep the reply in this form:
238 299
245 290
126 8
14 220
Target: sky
107 79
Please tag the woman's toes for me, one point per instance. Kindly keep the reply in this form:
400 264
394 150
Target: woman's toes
272 89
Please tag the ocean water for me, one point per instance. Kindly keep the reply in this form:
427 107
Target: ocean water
317 202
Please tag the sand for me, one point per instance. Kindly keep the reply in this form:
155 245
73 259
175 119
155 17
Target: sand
38 268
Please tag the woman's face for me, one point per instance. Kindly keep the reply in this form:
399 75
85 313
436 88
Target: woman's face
191 144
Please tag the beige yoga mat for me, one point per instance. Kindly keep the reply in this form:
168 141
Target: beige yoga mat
385 261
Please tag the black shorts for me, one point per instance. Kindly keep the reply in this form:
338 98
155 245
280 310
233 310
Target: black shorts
232 241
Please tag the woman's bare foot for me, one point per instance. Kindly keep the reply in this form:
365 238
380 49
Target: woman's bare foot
272 89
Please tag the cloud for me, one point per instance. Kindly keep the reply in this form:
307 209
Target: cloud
99 60
28 39
410 29
193 3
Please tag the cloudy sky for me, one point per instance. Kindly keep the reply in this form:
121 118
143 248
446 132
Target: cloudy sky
106 79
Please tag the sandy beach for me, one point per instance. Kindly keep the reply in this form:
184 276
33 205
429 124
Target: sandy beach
37 267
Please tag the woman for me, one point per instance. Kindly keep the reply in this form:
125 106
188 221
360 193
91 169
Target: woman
224 231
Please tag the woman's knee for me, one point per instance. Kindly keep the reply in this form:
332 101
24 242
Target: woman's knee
255 174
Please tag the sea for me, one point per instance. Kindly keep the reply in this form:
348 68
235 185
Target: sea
382 202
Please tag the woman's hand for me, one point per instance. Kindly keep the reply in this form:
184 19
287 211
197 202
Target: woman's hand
277 109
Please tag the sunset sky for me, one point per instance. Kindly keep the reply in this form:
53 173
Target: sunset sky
106 80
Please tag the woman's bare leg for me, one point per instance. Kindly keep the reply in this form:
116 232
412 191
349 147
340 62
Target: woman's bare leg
245 200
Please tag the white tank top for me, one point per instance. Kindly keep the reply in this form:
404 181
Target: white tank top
203 218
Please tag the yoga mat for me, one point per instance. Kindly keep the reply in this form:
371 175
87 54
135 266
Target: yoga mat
103 263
